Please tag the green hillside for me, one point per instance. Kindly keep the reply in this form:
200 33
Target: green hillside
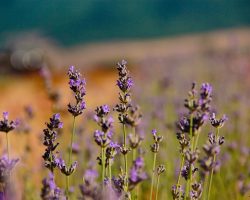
80 21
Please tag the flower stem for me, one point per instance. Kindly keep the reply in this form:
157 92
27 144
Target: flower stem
7 142
134 150
157 187
152 180
182 163
125 157
212 171
70 155
103 164
110 173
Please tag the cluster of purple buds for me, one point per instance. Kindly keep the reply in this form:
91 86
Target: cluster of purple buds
119 183
67 171
102 139
77 85
177 192
6 167
101 118
6 125
111 151
157 140
184 124
185 172
183 141
196 191
50 191
218 123
137 173
211 149
50 134
190 158
124 83
201 104
89 188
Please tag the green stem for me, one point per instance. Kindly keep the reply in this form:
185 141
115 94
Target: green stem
103 164
157 187
152 180
205 187
70 156
197 139
8 150
125 158
134 150
110 173
212 171
182 163
189 182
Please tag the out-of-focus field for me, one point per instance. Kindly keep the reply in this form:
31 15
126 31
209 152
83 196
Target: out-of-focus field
163 71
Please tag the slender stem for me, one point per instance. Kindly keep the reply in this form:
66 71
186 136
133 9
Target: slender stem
125 157
70 156
205 187
182 163
8 150
134 150
110 172
103 165
157 187
212 171
189 182
67 187
197 139
153 175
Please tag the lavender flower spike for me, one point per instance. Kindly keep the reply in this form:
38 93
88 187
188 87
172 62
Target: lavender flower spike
77 85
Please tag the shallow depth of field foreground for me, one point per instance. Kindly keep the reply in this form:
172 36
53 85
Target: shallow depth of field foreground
172 126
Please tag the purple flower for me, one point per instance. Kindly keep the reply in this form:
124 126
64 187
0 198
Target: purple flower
206 90
154 131
77 85
90 175
6 125
50 190
105 109
6 166
137 173
50 134
64 169
218 123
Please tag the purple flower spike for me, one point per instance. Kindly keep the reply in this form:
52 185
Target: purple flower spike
77 85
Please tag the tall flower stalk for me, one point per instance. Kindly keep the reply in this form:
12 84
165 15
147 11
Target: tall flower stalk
103 136
124 83
214 148
77 85
160 170
155 149
7 126
6 164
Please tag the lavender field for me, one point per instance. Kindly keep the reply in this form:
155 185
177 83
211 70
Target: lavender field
151 120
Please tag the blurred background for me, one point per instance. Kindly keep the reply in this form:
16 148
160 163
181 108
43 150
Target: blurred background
168 45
